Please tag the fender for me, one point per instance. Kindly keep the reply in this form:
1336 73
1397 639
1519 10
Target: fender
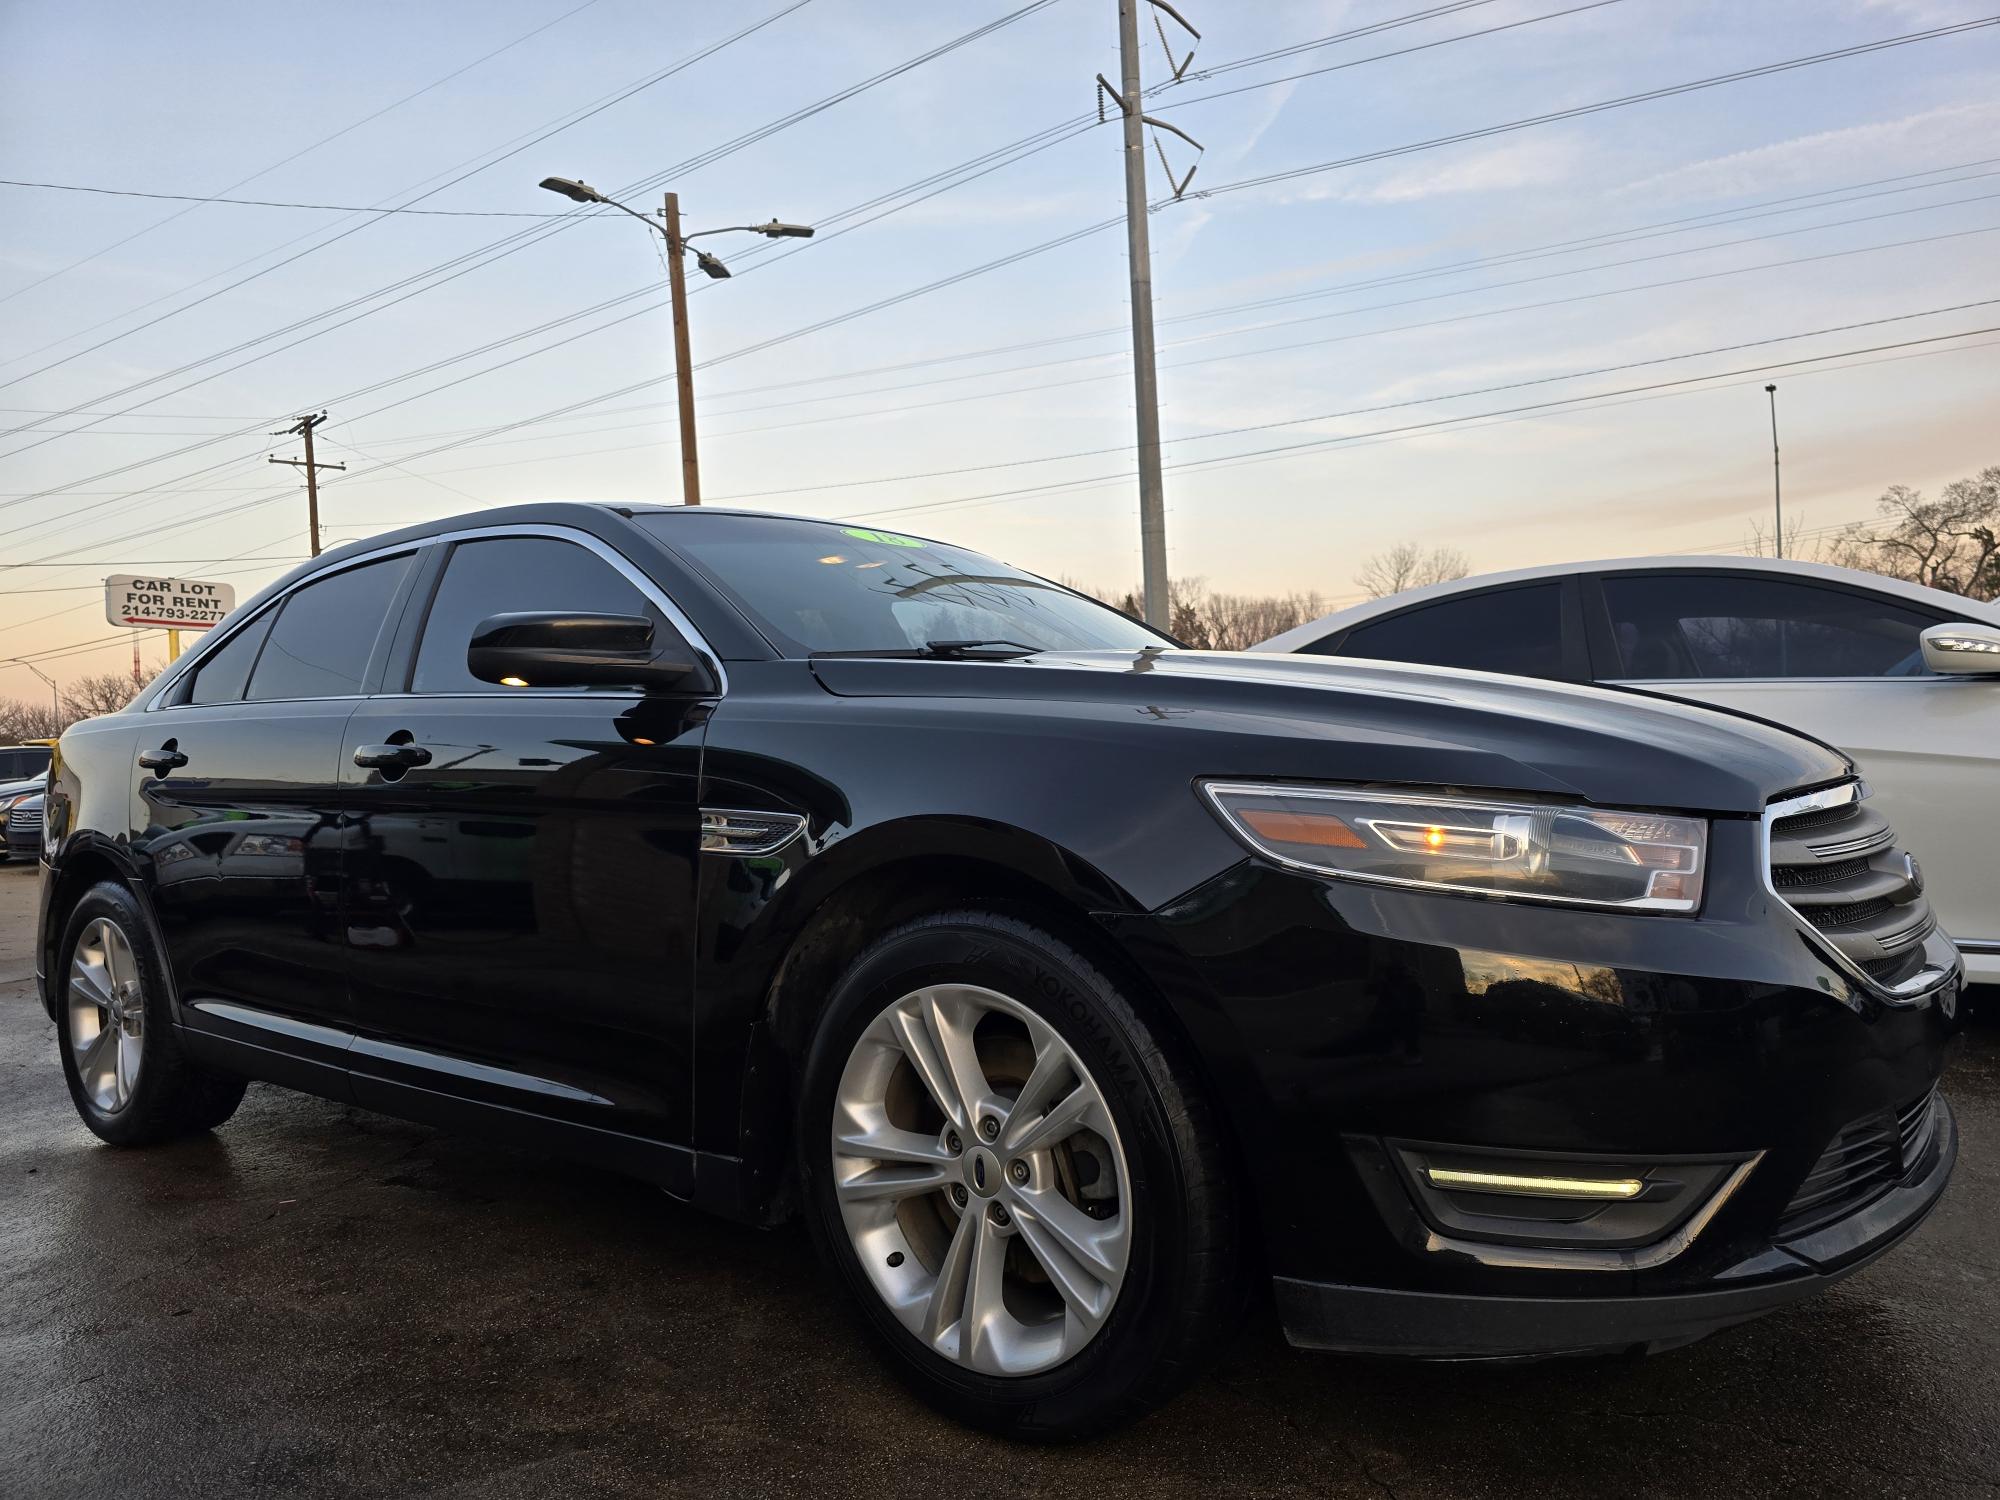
775 933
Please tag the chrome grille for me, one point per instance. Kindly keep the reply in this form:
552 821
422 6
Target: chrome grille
1835 864
24 820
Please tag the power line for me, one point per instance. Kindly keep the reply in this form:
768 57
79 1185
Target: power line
1715 219
304 151
1327 416
1482 313
1054 136
332 208
1234 460
1041 386
469 262
1044 144
378 214
1016 256
1578 111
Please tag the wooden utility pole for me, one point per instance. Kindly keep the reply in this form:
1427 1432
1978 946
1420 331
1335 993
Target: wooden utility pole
683 368
303 428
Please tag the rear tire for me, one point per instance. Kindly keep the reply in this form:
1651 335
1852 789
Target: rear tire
128 1073
1116 1274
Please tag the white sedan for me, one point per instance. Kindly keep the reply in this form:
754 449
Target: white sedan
1905 679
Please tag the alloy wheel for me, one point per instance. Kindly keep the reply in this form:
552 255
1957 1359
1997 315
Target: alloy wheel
981 1180
106 1015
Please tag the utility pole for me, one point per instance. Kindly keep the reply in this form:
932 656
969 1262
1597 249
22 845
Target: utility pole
303 428
1139 253
670 213
1777 481
1145 376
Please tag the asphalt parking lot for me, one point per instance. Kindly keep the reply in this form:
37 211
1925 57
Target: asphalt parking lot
321 1301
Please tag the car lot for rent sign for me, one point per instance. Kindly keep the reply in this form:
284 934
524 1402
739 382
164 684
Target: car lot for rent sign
140 599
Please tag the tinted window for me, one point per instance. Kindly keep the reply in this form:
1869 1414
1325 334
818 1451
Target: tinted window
818 586
508 574
1690 625
19 764
325 632
1508 630
221 678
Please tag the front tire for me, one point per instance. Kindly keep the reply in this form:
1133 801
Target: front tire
128 1074
1016 1178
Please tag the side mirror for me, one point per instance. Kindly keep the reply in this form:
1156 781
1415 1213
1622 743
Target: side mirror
562 650
1963 650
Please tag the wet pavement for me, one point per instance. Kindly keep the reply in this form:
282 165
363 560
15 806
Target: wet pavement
320 1301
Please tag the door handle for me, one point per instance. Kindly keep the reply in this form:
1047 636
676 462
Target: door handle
162 760
391 757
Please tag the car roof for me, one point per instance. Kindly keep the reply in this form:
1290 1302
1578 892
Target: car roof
1956 605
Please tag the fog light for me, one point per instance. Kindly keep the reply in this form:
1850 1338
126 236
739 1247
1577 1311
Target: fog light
1578 1189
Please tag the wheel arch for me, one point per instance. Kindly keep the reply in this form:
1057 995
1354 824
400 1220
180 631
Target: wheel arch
86 860
911 872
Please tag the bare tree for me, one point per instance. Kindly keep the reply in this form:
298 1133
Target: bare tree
1408 566
106 693
84 698
23 719
1210 621
1950 543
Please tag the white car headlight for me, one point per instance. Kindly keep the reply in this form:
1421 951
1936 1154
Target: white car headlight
1526 851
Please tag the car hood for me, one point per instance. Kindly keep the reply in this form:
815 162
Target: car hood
1338 719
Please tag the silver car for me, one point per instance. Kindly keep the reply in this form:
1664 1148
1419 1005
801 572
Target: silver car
1905 679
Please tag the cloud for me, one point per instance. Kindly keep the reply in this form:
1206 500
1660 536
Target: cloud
1518 164
1955 133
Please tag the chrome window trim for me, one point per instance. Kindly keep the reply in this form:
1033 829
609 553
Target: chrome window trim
1913 991
1558 1258
632 574
192 660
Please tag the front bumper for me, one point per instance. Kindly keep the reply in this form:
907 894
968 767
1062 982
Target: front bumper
1334 1019
1461 1326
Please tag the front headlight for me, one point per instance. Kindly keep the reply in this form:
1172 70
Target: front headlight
1526 851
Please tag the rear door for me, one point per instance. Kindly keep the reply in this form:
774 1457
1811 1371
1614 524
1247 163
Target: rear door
521 903
237 799
1844 665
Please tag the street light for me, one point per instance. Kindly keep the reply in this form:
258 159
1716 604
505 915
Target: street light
669 224
55 693
1777 483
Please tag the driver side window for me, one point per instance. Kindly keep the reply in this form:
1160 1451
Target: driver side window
502 575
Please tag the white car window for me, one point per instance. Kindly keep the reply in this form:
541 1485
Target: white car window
1678 626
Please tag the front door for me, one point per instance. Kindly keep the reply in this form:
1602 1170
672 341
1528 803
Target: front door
521 874
237 807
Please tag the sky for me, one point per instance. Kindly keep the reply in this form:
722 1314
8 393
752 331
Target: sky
1537 343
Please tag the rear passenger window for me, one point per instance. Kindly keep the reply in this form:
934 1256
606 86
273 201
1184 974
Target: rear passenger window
325 633
1506 630
222 677
508 575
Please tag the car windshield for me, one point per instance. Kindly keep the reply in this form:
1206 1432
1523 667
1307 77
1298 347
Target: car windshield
820 586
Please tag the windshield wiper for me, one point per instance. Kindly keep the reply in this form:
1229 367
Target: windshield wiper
994 650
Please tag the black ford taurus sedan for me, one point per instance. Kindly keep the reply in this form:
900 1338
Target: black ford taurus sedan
1071 986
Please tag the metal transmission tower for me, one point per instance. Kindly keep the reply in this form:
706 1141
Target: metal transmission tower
303 428
1145 378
